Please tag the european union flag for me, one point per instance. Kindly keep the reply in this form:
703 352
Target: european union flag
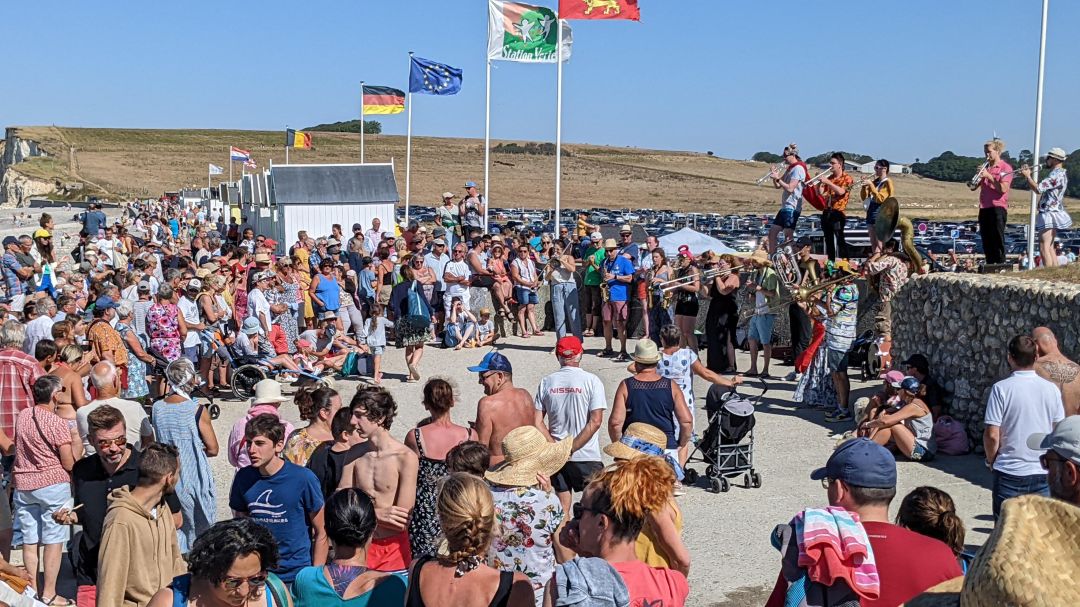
431 78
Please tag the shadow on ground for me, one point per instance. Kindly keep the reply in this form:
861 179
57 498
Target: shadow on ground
745 596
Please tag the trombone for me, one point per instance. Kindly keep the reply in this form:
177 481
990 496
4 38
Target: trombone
675 283
776 167
805 294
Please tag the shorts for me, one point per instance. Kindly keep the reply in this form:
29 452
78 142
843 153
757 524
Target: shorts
192 353
573 476
5 511
837 360
526 297
883 318
384 294
615 311
34 510
591 301
787 219
390 554
86 596
761 328
921 454
640 289
377 350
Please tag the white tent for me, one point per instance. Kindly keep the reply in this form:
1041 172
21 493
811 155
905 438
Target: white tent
698 242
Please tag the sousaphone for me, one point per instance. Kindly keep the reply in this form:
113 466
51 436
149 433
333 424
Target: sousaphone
887 218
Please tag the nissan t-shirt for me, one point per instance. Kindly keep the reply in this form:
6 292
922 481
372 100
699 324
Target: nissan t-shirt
567 396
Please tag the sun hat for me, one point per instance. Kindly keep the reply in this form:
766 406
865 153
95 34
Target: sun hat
42 233
1064 440
596 237
262 258
610 244
625 229
202 273
894 378
527 454
1053 153
446 195
268 391
438 232
270 243
636 433
860 462
484 312
251 326
760 256
1016 564
568 346
645 352
493 361
439 242
328 315
212 266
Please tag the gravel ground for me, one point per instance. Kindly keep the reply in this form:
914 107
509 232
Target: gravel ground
727 533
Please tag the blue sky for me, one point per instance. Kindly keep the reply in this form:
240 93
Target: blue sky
900 79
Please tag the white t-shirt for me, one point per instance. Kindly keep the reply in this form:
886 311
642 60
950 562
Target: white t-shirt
567 396
190 311
135 419
437 265
258 307
459 269
1020 406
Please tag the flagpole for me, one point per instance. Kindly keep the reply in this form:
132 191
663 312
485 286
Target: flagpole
408 146
287 144
487 146
1038 137
558 134
230 165
361 122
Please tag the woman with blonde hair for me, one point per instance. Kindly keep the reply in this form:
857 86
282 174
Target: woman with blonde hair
461 577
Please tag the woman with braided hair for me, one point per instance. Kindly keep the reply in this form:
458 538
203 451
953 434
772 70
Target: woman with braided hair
606 524
461 577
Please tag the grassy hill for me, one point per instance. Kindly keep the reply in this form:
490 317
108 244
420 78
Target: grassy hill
143 162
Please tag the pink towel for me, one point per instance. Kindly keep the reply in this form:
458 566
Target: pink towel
833 545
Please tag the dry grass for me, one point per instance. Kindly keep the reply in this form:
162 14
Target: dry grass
1069 273
137 162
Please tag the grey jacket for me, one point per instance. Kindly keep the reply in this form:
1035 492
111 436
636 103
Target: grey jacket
589 582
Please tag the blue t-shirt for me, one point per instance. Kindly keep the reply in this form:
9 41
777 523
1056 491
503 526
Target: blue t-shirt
94 221
174 227
312 590
282 503
620 266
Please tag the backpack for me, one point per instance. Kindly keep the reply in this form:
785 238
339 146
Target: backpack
950 436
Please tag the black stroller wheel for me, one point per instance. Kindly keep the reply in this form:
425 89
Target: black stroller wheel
714 485
724 485
215 411
244 380
755 478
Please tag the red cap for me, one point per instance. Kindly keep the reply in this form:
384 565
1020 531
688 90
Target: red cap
684 250
568 346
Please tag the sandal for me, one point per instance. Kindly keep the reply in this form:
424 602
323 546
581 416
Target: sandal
538 333
52 602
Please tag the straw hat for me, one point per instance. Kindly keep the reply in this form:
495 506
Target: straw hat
646 352
268 391
528 453
1053 153
642 432
760 256
1012 567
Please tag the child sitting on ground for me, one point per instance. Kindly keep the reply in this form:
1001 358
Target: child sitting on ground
485 329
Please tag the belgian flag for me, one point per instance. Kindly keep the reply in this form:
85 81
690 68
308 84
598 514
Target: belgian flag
297 139
383 100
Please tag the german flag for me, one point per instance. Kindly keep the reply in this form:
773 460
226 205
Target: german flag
383 100
297 139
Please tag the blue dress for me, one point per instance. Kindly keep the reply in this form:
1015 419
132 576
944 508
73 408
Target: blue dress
137 386
177 424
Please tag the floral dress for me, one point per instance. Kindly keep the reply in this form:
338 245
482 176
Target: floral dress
527 518
163 325
137 386
286 320
424 528
1052 214
300 446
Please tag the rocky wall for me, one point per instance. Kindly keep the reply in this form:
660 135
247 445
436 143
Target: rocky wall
963 324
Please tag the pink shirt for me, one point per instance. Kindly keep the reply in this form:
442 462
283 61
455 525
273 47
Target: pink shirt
238 455
989 195
37 464
653 585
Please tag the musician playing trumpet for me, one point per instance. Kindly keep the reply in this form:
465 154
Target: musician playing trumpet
618 273
1052 216
993 181
835 190
790 184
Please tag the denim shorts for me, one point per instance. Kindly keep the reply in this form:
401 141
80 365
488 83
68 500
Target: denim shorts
837 360
787 219
377 350
921 454
526 296
34 510
761 328
192 353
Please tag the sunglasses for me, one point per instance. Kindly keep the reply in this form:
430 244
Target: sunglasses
104 443
255 583
1046 458
579 510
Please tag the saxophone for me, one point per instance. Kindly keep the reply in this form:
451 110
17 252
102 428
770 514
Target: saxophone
605 292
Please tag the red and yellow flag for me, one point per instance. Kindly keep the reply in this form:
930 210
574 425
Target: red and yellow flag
599 9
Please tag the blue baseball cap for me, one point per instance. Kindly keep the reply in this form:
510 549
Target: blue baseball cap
470 184
493 361
860 462
104 303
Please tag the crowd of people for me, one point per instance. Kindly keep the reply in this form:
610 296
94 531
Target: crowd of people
105 348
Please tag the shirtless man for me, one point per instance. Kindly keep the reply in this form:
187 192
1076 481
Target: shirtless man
1053 365
503 408
387 473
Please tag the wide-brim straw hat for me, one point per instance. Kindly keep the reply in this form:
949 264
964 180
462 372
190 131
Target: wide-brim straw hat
529 453
641 431
1022 562
760 256
646 352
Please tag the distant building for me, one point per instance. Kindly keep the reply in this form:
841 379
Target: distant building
894 168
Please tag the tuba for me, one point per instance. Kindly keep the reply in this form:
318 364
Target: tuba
786 264
888 221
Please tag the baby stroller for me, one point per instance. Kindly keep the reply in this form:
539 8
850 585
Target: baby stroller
158 369
727 446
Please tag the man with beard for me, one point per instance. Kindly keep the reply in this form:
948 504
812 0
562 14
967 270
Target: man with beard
115 464
504 406
1062 459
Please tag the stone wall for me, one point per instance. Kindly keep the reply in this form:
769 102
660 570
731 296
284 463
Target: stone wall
963 323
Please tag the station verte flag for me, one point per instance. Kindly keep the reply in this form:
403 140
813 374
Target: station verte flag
526 33
383 100
599 9
432 78
215 169
297 139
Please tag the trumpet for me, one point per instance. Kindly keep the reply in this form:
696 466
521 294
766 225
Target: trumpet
974 183
776 167
822 175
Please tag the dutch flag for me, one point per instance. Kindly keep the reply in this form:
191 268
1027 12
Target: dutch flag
239 155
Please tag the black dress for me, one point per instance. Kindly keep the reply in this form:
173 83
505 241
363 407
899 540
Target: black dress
686 302
502 593
720 324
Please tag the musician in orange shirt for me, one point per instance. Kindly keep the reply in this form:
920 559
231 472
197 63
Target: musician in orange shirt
835 190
